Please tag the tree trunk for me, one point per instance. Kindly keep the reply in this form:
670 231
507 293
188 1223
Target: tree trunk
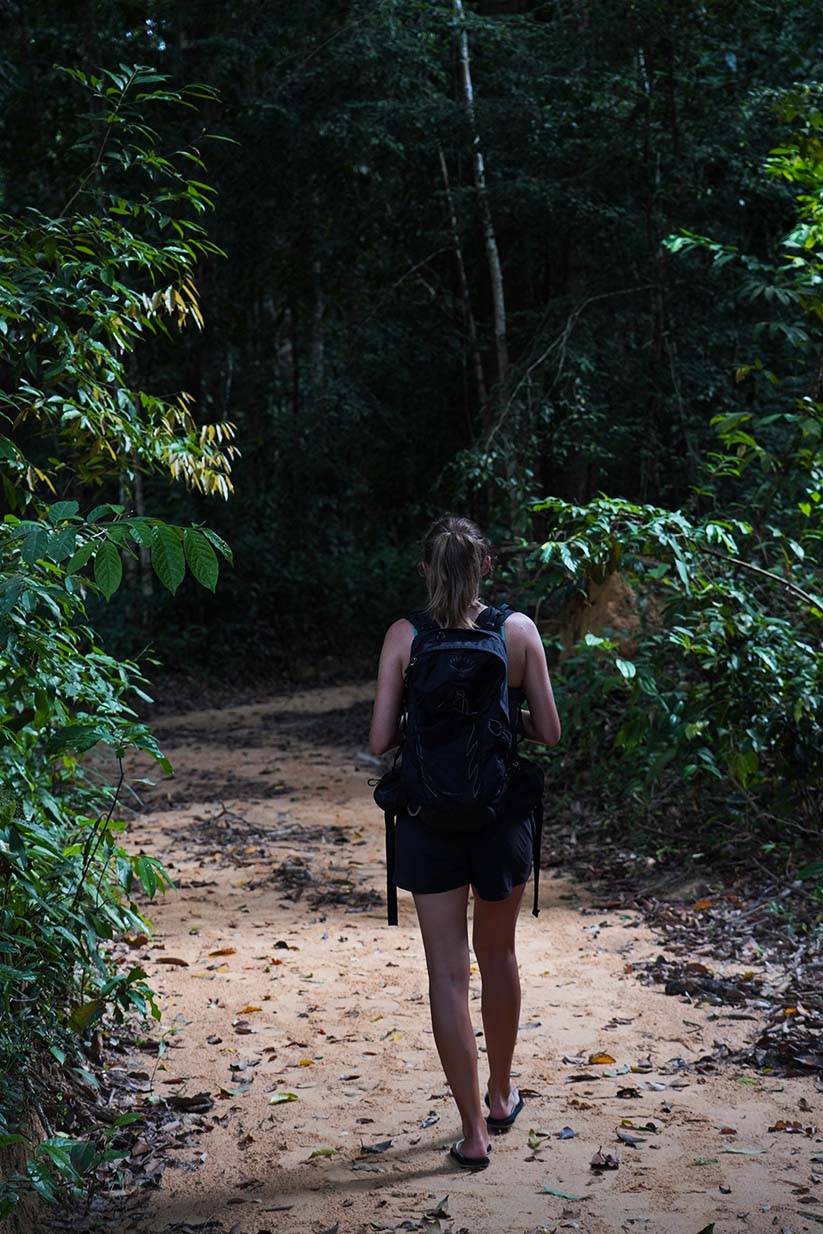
146 574
492 254
318 342
468 315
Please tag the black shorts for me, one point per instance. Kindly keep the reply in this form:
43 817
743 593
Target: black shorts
494 860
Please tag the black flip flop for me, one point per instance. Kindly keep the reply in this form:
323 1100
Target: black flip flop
469 1163
503 1124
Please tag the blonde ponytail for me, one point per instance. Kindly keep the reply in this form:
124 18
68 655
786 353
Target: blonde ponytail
454 550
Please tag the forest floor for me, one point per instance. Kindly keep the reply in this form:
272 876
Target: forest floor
294 1086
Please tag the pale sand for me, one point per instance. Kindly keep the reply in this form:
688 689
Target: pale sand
351 997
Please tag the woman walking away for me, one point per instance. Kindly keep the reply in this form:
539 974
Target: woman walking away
461 825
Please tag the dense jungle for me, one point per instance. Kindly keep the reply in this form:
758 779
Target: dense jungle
279 285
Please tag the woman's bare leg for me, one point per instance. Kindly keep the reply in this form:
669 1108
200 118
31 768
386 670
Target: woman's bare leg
495 922
442 920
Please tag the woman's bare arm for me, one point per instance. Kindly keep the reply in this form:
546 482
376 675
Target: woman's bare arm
388 699
541 722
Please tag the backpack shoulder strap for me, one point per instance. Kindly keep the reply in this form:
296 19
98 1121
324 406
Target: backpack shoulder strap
494 618
421 620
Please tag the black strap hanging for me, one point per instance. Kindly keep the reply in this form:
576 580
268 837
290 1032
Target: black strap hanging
391 888
536 852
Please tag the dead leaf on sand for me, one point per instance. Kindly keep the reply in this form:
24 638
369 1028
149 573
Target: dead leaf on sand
604 1161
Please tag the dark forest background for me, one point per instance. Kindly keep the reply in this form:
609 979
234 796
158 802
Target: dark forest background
336 334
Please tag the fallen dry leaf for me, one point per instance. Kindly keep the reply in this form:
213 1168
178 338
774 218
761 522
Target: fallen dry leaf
627 1122
441 1209
792 1128
376 1148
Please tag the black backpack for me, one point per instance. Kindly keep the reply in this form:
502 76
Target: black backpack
458 765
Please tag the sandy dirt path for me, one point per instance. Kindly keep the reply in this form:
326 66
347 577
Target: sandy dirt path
294 984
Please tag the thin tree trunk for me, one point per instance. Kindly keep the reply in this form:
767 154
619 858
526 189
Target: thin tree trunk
318 342
125 498
468 315
492 253
146 575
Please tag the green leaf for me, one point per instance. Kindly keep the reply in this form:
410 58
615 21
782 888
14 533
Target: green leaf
10 592
625 667
147 875
100 512
34 545
40 1184
219 543
125 1120
594 640
86 1014
80 558
167 556
280 1098
63 509
8 449
564 1195
77 737
108 569
62 544
201 557
140 532
59 1157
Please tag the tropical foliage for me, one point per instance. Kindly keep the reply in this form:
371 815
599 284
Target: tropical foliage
558 265
78 291
722 698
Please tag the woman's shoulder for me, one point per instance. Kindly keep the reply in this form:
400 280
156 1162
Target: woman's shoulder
400 630
522 635
519 622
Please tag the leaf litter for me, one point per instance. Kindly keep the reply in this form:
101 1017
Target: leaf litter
674 1067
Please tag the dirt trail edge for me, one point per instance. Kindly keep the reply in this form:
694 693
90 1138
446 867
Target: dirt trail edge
288 1001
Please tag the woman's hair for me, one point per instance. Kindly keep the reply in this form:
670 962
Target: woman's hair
454 549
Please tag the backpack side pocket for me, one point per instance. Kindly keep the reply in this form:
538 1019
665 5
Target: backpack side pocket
390 792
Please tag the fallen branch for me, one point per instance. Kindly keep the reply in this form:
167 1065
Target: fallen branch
777 578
